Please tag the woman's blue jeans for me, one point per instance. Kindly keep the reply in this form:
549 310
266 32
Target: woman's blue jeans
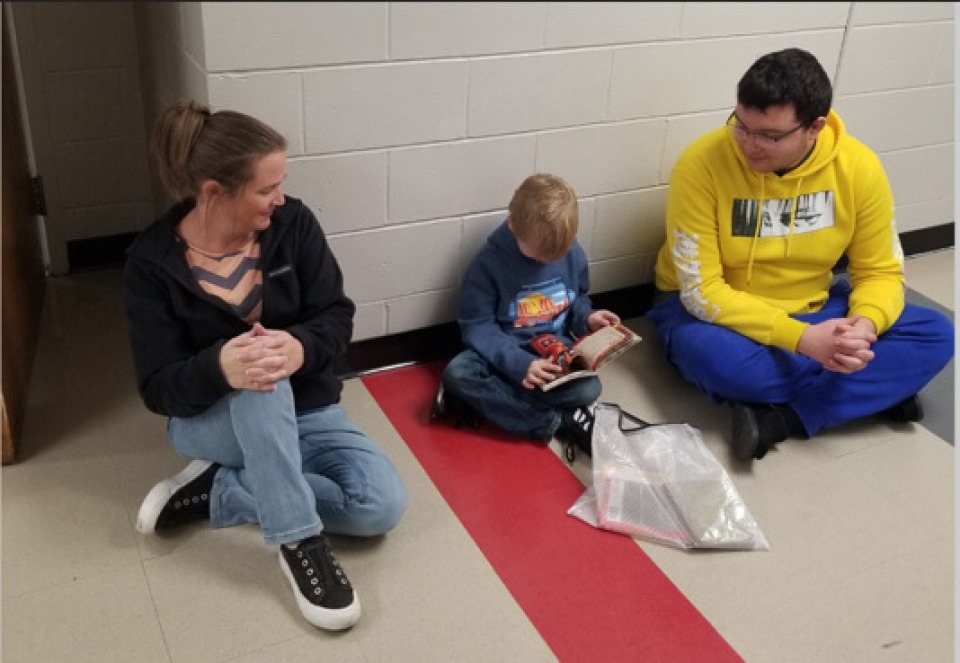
528 412
295 475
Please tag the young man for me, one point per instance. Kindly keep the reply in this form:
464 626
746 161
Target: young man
529 279
759 212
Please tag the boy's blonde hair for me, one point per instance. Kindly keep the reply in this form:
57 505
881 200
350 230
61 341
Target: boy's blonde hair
544 214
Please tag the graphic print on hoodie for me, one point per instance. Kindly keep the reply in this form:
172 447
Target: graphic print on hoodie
541 304
815 211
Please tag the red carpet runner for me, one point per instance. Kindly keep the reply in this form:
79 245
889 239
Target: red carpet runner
594 596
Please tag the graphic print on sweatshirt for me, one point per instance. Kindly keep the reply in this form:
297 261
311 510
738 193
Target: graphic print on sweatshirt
541 305
815 211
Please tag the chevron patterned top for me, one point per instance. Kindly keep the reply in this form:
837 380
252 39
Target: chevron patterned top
234 277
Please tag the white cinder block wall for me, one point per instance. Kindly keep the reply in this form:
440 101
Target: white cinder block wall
411 124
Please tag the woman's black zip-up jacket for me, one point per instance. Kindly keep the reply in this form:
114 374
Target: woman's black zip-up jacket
177 329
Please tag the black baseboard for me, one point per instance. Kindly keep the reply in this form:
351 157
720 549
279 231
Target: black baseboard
106 251
418 346
924 240
443 341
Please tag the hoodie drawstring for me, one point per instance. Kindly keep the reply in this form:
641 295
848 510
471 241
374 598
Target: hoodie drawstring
793 213
756 229
794 203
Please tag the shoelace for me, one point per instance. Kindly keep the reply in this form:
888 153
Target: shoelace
313 557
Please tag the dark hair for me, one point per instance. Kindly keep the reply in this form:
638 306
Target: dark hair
788 77
192 145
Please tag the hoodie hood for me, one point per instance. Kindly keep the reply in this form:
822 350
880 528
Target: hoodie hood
502 238
824 151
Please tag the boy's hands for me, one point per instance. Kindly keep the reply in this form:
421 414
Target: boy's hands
602 318
540 372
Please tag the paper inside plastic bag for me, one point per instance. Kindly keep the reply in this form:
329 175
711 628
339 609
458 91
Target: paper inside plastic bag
660 483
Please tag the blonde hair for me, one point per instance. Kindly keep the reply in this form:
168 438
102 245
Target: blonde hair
544 213
191 145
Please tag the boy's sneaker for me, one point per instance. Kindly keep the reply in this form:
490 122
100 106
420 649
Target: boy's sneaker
447 403
576 431
323 593
179 499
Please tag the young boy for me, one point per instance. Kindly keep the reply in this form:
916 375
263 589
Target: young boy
530 278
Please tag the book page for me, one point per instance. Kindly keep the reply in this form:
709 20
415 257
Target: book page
597 347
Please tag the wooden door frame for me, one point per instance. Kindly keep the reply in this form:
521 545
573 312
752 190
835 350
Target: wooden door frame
35 123
23 273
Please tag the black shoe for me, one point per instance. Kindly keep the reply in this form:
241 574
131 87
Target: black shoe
576 431
746 433
907 410
324 595
446 403
179 499
438 407
756 428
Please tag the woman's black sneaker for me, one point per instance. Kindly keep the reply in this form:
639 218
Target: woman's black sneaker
324 595
179 499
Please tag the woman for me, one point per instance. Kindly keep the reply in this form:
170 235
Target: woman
236 312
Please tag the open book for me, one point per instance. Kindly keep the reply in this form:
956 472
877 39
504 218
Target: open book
587 355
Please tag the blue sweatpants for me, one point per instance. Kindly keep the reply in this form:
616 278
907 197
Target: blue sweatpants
733 368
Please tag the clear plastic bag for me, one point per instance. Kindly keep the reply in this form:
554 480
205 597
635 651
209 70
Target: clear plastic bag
659 482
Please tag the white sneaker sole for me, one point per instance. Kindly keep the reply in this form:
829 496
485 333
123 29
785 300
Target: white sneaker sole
331 620
160 494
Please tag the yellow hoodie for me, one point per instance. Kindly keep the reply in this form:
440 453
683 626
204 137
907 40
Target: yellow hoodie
751 277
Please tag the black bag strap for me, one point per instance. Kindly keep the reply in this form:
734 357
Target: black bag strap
627 422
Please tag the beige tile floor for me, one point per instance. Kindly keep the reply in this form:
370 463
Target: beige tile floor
860 522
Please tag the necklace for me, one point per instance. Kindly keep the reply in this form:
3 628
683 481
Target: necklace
192 228
212 256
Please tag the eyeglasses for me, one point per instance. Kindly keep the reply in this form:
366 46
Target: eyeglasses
763 140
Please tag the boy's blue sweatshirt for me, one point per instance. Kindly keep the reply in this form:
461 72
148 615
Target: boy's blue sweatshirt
507 298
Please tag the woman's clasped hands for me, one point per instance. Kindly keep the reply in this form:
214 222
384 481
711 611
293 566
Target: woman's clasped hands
259 358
